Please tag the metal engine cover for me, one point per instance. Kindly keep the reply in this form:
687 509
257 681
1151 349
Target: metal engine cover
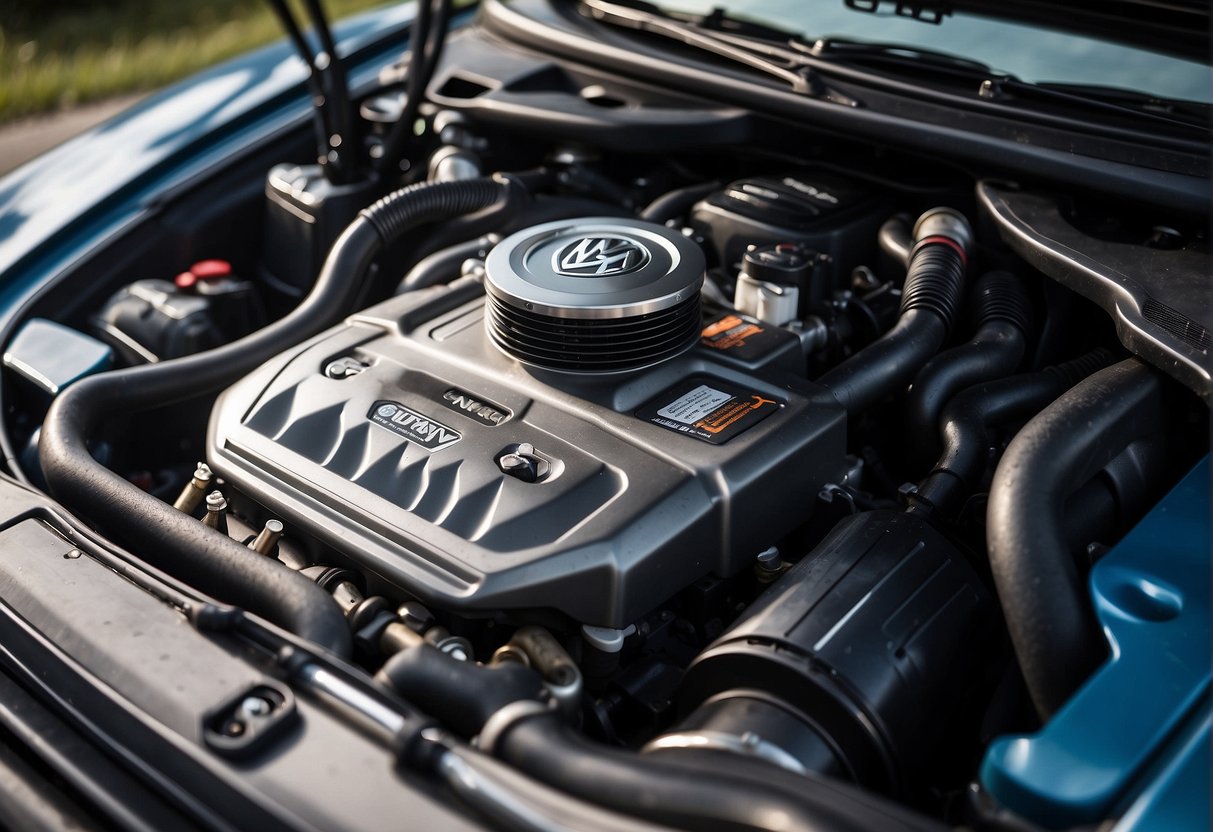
384 438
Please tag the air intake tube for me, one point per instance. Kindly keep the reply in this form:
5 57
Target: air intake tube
1047 607
698 789
968 420
930 297
173 541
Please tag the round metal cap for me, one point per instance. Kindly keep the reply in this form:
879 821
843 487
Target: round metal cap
598 294
597 267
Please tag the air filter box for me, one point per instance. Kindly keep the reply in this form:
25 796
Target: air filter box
412 440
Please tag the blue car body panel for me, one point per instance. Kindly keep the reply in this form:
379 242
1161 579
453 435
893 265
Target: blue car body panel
1146 711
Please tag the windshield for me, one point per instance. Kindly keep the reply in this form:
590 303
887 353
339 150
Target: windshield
1029 53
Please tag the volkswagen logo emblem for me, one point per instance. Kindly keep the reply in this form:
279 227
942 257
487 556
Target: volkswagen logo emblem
600 257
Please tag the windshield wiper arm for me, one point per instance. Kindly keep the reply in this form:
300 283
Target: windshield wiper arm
892 54
753 52
1005 88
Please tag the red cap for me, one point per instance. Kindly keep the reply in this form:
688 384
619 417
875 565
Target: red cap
203 270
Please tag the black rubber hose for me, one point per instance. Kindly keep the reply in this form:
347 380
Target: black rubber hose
518 803
715 791
506 218
172 541
676 203
440 249
443 266
1048 610
930 297
894 238
693 790
966 422
462 695
1003 314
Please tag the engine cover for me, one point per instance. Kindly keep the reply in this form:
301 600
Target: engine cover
408 440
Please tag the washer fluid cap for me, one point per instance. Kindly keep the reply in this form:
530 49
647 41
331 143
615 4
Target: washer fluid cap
594 295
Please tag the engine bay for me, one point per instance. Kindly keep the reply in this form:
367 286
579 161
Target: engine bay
620 425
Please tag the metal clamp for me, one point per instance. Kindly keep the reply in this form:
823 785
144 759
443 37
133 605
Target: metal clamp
501 721
748 744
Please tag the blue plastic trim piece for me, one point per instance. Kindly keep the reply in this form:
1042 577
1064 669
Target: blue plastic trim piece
1178 797
1152 596
51 356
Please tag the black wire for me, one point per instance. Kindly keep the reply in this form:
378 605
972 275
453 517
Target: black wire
342 142
437 39
314 81
425 49
419 34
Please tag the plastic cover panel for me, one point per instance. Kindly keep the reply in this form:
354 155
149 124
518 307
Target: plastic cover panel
628 513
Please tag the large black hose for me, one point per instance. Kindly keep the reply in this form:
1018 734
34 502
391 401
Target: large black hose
444 249
708 791
966 422
462 695
700 790
930 297
676 203
997 347
444 265
1048 610
894 238
172 541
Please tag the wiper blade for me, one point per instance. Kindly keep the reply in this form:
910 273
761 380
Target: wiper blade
888 54
1004 88
1193 113
740 45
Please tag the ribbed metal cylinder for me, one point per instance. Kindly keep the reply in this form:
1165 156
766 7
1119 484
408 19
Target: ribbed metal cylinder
594 344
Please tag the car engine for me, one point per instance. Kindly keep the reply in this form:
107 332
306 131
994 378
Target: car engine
666 463
556 439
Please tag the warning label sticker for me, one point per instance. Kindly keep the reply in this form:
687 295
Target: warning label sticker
694 405
708 409
742 337
729 332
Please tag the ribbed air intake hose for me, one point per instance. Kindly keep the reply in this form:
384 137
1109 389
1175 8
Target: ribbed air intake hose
1047 606
1003 316
174 542
930 297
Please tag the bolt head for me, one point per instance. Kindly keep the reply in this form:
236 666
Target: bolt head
256 706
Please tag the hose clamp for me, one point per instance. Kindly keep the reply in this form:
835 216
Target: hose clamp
504 719
748 744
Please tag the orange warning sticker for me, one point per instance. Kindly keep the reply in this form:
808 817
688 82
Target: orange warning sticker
732 412
730 332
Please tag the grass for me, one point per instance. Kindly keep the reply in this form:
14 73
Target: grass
57 53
